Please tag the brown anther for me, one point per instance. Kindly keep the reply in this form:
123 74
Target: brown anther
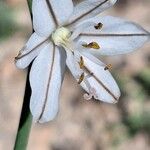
98 26
93 45
81 78
108 67
18 56
81 63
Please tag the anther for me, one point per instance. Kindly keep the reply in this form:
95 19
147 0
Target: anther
81 78
81 63
98 26
21 52
93 45
108 67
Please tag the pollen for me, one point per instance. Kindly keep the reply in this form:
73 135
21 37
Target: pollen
81 63
93 45
81 78
98 26
108 67
61 36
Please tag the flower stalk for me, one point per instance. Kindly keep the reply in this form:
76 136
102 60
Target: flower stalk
26 117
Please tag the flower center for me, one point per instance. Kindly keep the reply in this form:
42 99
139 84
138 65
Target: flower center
61 36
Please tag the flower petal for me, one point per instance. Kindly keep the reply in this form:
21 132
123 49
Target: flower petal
46 78
87 9
32 48
48 14
116 36
96 78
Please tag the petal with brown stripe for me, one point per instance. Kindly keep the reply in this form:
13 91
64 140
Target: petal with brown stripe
46 77
116 36
96 78
49 14
32 48
87 9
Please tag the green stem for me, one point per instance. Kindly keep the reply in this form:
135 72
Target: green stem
25 121
30 6
26 118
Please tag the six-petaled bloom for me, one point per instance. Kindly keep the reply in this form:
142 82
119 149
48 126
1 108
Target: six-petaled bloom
76 37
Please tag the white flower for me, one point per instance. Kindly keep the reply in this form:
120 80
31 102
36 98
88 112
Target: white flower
65 34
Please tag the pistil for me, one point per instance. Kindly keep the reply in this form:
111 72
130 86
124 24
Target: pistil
61 36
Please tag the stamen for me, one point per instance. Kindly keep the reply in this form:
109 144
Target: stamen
93 45
108 67
81 78
98 26
81 63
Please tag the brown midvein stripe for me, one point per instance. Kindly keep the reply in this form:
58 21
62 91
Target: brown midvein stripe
52 12
101 83
123 34
21 56
87 13
48 84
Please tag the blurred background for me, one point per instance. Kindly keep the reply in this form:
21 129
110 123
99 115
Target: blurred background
80 124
